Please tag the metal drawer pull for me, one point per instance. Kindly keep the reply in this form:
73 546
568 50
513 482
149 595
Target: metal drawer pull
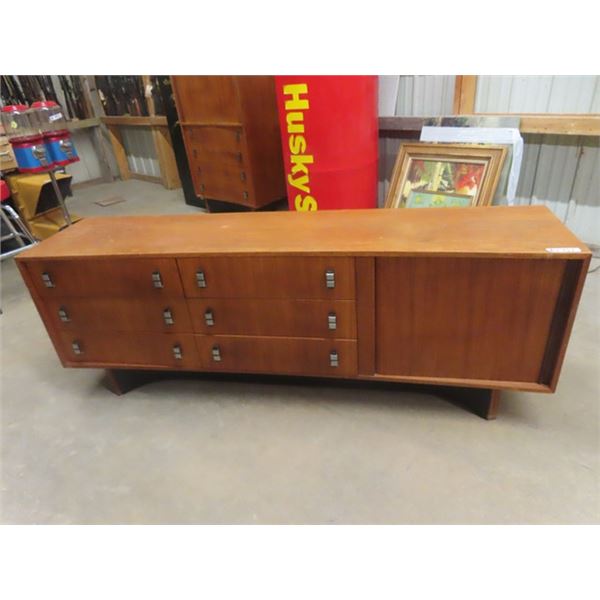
168 316
201 279
245 194
76 348
47 280
209 317
330 278
216 353
242 175
157 280
332 320
177 353
63 314
334 360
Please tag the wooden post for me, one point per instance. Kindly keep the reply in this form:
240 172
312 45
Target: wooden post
465 89
117 143
166 157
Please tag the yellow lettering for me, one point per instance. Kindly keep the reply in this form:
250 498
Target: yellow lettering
305 204
300 182
297 144
295 122
294 90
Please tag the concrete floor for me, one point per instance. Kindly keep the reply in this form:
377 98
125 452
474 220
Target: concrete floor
208 451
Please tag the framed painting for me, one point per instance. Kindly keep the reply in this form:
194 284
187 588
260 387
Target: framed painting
429 174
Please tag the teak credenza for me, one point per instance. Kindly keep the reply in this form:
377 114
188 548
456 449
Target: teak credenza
482 298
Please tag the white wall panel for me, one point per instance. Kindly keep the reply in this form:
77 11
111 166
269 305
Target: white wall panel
141 153
425 95
538 93
88 166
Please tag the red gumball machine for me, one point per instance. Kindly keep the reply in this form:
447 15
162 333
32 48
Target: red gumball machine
329 134
57 138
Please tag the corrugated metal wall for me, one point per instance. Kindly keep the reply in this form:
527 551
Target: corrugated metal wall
141 153
538 94
562 172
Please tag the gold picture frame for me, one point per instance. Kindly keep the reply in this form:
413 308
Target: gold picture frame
435 174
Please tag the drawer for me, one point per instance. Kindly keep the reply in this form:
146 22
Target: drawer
120 314
298 278
301 318
291 356
210 139
106 277
155 350
222 181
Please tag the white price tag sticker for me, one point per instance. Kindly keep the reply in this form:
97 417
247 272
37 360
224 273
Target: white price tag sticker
55 117
564 250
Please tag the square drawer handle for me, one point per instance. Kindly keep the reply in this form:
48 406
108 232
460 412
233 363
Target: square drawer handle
177 352
47 280
330 278
157 280
334 359
332 320
63 314
200 279
209 317
216 353
168 316
77 349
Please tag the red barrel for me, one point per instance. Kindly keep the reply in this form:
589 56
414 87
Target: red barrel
330 140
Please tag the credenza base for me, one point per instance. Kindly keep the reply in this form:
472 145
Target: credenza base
482 402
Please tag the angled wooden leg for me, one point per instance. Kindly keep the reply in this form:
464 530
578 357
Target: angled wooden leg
121 381
480 401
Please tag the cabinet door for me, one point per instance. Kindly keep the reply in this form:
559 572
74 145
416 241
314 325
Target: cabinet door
268 277
301 318
156 277
120 314
277 355
207 99
465 318
113 349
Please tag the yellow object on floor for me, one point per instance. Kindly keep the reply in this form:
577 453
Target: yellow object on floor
34 198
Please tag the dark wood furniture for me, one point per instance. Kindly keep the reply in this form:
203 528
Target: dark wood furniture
477 297
231 132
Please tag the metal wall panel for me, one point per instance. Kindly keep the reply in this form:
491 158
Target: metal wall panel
425 95
538 93
141 153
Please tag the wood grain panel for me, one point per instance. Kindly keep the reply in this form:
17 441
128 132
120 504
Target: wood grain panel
207 99
120 314
300 318
105 277
268 277
365 312
134 350
460 318
495 231
300 356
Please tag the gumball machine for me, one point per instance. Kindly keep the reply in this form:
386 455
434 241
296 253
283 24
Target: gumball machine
22 130
57 138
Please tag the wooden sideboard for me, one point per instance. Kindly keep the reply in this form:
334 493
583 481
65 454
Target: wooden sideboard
231 132
477 297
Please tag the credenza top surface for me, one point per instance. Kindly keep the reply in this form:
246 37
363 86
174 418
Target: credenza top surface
520 231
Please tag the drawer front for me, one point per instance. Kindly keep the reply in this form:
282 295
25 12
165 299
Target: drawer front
166 350
120 314
222 181
158 278
208 141
298 278
294 318
292 356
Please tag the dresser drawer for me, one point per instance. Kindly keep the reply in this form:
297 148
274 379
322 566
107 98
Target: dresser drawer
294 318
297 278
158 277
222 181
211 139
300 356
155 350
120 314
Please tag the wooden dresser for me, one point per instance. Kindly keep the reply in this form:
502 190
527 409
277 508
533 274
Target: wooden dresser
477 297
231 133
